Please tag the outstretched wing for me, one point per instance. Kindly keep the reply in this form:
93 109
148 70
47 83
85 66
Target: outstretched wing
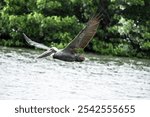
35 44
47 53
85 35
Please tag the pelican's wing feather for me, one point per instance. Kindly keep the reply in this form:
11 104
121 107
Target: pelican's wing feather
35 44
46 53
85 35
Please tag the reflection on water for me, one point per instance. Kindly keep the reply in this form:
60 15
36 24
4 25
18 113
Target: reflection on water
23 77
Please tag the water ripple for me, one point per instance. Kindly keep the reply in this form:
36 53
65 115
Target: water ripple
24 77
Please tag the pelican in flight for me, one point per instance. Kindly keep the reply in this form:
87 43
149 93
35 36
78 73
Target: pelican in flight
69 53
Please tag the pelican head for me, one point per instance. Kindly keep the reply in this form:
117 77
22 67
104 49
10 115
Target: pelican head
79 58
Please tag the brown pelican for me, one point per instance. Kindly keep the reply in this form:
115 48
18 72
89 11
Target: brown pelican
70 53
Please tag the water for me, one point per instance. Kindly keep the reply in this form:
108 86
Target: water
24 77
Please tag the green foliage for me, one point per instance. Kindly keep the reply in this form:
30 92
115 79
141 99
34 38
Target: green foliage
102 47
146 46
122 50
36 24
124 29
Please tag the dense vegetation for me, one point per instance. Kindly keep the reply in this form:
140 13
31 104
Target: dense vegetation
123 31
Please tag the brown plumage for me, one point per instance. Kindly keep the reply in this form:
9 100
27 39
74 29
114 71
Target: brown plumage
80 41
86 34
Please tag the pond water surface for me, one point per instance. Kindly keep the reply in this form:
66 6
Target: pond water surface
24 77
